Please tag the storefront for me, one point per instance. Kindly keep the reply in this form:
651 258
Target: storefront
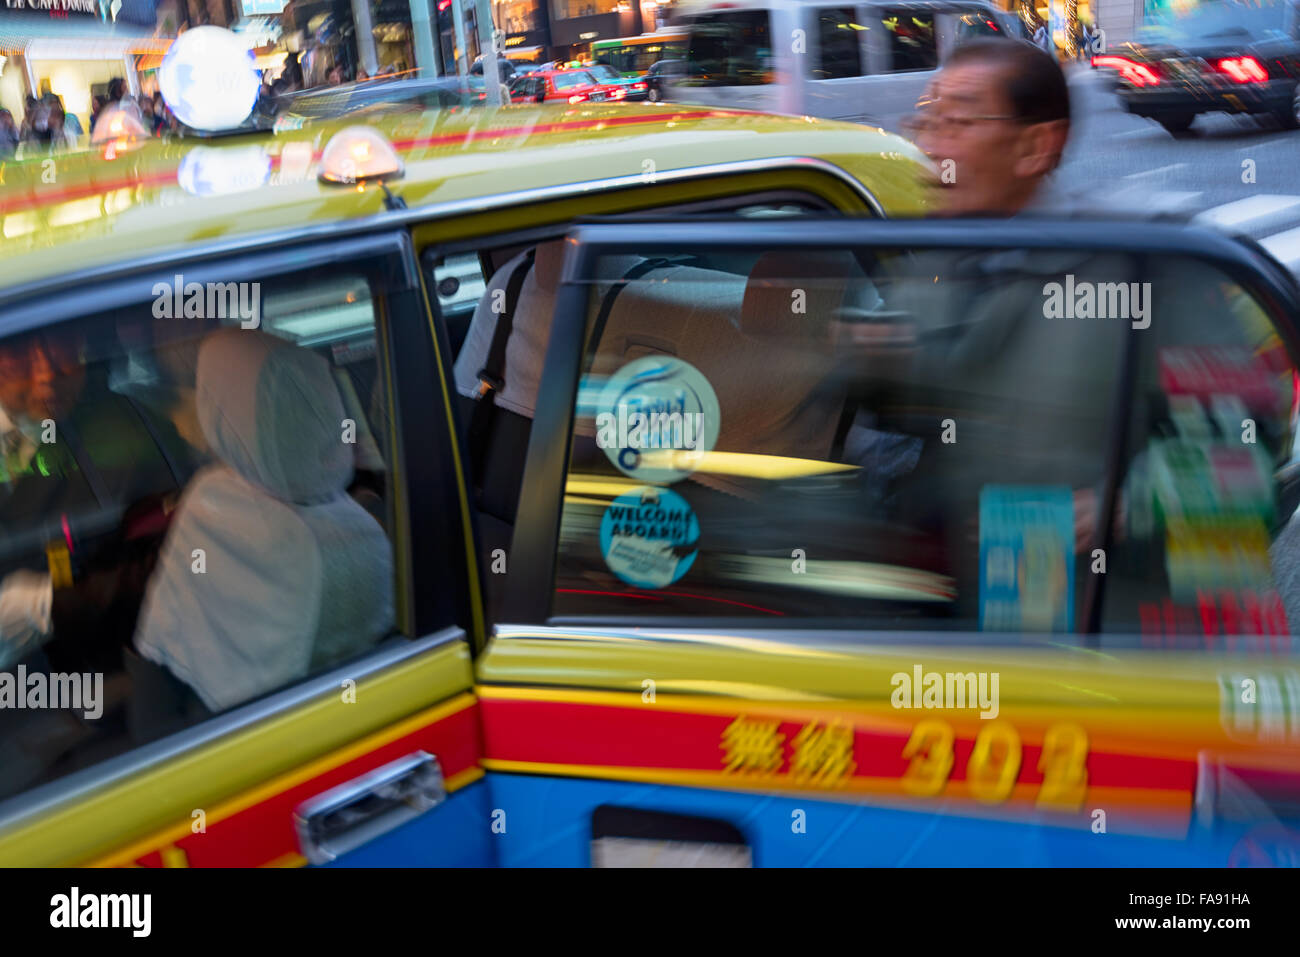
526 28
65 48
576 23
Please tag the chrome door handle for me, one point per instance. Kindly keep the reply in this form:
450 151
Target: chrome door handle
347 816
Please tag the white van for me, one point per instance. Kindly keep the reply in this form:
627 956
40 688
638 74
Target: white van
865 61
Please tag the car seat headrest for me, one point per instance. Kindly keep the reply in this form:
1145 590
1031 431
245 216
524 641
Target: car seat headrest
271 411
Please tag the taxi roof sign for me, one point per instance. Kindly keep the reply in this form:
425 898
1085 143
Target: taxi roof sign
209 79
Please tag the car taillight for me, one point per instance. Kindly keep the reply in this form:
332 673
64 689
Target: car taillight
1245 69
618 94
1139 74
578 98
638 86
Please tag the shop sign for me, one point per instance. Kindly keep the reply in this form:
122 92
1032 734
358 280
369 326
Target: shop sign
56 7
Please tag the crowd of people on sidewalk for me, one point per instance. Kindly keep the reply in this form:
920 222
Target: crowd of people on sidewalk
47 127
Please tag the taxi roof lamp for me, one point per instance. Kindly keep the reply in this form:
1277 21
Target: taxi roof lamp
117 125
209 79
357 154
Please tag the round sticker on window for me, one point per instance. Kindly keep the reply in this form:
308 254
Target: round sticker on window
649 537
656 418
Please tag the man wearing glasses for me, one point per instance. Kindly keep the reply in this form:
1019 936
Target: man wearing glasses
995 121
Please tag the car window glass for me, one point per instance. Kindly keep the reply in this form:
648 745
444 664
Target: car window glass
869 437
912 42
1201 548
839 35
731 49
195 500
567 81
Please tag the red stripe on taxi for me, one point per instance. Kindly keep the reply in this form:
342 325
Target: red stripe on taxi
656 736
264 832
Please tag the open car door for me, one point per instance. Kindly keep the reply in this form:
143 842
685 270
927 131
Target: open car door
882 543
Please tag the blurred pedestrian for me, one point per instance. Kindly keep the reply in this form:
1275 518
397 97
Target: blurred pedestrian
70 123
61 135
9 135
995 119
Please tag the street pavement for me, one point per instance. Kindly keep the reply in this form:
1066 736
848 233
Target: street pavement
1128 160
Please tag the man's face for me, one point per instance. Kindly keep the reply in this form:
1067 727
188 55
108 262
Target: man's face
988 161
40 379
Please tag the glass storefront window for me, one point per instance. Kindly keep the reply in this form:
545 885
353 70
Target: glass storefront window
517 16
568 9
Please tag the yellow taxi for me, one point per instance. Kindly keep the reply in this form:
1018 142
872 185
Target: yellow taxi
556 485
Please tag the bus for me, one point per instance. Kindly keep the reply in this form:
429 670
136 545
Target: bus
633 56
866 62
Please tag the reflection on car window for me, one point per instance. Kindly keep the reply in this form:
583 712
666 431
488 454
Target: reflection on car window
911 40
731 49
840 38
194 501
876 438
1191 552
567 81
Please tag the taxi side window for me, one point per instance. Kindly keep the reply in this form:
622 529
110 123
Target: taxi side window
840 43
195 510
901 440
1200 549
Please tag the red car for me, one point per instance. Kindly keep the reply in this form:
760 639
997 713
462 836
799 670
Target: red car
575 86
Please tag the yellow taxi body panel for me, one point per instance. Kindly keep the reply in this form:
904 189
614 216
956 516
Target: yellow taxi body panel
75 211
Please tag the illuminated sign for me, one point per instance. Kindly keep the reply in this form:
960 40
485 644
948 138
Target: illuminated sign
516 40
56 6
588 36
260 8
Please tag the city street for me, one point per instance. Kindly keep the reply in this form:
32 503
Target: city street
1133 162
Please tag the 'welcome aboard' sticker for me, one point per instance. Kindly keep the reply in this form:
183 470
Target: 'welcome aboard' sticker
649 537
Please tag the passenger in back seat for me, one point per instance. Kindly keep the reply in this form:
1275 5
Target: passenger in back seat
530 333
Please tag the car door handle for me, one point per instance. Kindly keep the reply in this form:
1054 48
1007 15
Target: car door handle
347 816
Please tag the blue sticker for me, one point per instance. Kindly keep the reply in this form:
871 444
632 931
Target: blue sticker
656 419
649 537
1026 558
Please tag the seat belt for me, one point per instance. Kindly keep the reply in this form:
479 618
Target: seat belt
636 272
492 377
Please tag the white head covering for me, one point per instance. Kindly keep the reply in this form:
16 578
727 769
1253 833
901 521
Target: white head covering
294 573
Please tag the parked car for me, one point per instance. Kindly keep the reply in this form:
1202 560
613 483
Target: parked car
350 98
571 86
661 76
1217 57
634 87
